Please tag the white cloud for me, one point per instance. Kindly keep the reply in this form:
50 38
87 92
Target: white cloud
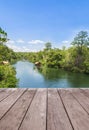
36 42
26 48
11 41
13 47
34 45
20 41
21 49
64 42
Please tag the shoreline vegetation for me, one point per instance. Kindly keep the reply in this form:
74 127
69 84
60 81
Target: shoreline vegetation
7 57
75 58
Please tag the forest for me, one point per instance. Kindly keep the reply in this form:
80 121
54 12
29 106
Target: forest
75 58
7 56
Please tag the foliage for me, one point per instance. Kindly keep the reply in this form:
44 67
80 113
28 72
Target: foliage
7 72
48 46
81 39
3 36
74 59
7 76
6 54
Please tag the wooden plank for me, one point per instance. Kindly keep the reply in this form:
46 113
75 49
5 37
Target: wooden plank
13 118
85 91
3 89
36 116
7 103
5 93
79 118
81 98
57 118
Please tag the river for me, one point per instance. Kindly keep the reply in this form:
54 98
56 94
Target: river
30 77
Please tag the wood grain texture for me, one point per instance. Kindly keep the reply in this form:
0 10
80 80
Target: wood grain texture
44 109
12 120
4 93
77 115
57 117
81 98
85 92
36 116
9 101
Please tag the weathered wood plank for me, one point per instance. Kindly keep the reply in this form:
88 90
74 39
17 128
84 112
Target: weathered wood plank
81 98
79 118
3 89
36 116
7 103
67 110
13 118
4 93
85 91
57 117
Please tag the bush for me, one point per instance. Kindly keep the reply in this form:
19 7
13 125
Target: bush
7 76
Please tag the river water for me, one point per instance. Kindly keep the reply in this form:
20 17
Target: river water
30 77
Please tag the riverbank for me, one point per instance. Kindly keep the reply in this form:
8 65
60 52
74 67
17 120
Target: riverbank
29 76
69 59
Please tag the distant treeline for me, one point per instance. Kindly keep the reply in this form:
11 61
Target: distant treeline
75 58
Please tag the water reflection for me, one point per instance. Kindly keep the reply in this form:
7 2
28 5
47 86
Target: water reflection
65 78
30 77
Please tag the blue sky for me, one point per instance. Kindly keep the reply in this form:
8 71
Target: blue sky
31 23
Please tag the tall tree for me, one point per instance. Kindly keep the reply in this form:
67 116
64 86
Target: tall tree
48 46
81 40
3 36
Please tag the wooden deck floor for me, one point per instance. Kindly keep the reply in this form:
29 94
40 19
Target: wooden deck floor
44 109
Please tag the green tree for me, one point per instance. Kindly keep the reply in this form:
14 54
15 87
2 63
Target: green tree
7 76
7 72
81 40
48 46
3 36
